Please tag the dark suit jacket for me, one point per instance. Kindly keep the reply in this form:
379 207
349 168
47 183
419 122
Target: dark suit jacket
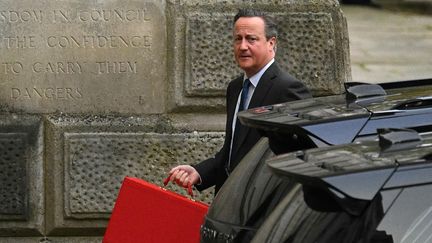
275 86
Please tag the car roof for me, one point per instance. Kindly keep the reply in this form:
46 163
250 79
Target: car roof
353 109
358 171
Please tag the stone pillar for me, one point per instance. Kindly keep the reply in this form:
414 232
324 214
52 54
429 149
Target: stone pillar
93 91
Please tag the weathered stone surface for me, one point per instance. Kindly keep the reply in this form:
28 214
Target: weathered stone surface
51 240
96 163
313 46
88 167
21 175
87 56
13 173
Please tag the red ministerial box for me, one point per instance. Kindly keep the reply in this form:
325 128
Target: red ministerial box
144 212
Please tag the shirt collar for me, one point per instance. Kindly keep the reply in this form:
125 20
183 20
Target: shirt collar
256 78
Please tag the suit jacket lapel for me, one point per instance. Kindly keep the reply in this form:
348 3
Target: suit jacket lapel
257 99
235 89
264 86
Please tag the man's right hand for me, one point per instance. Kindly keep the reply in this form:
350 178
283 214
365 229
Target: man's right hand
185 176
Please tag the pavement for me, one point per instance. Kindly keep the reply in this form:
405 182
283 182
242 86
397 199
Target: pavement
388 44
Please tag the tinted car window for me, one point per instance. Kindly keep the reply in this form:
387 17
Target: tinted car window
409 219
321 221
399 119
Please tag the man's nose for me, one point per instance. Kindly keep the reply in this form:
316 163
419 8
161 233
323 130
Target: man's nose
244 44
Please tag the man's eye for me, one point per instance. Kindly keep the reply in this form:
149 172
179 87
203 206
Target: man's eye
251 39
237 39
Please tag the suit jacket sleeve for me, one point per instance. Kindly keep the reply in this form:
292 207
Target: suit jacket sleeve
212 170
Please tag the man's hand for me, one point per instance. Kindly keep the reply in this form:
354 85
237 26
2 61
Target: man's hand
185 176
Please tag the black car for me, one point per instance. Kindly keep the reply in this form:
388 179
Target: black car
252 191
340 119
369 191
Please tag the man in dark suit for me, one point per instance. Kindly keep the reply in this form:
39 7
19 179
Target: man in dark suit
263 83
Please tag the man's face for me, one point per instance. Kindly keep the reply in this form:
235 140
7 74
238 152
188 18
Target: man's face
251 48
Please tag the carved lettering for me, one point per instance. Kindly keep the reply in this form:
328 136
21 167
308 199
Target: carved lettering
100 15
54 53
106 15
21 16
61 16
9 42
57 67
66 16
87 41
141 100
106 67
48 93
15 93
12 67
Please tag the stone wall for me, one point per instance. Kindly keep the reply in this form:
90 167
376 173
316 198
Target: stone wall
93 91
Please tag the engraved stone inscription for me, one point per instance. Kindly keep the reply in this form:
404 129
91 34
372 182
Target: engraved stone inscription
82 56
46 93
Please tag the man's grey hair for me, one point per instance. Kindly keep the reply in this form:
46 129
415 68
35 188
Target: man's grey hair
269 23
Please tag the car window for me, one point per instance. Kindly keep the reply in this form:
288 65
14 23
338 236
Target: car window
394 216
403 119
321 220
409 218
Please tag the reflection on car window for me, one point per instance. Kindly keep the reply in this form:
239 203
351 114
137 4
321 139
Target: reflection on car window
321 220
401 215
420 228
334 224
409 219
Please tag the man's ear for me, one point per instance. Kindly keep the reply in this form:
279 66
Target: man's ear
272 42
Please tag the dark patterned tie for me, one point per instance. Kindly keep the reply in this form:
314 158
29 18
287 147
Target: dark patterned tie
239 126
244 95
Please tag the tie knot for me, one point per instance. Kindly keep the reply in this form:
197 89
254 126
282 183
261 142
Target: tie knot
246 83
